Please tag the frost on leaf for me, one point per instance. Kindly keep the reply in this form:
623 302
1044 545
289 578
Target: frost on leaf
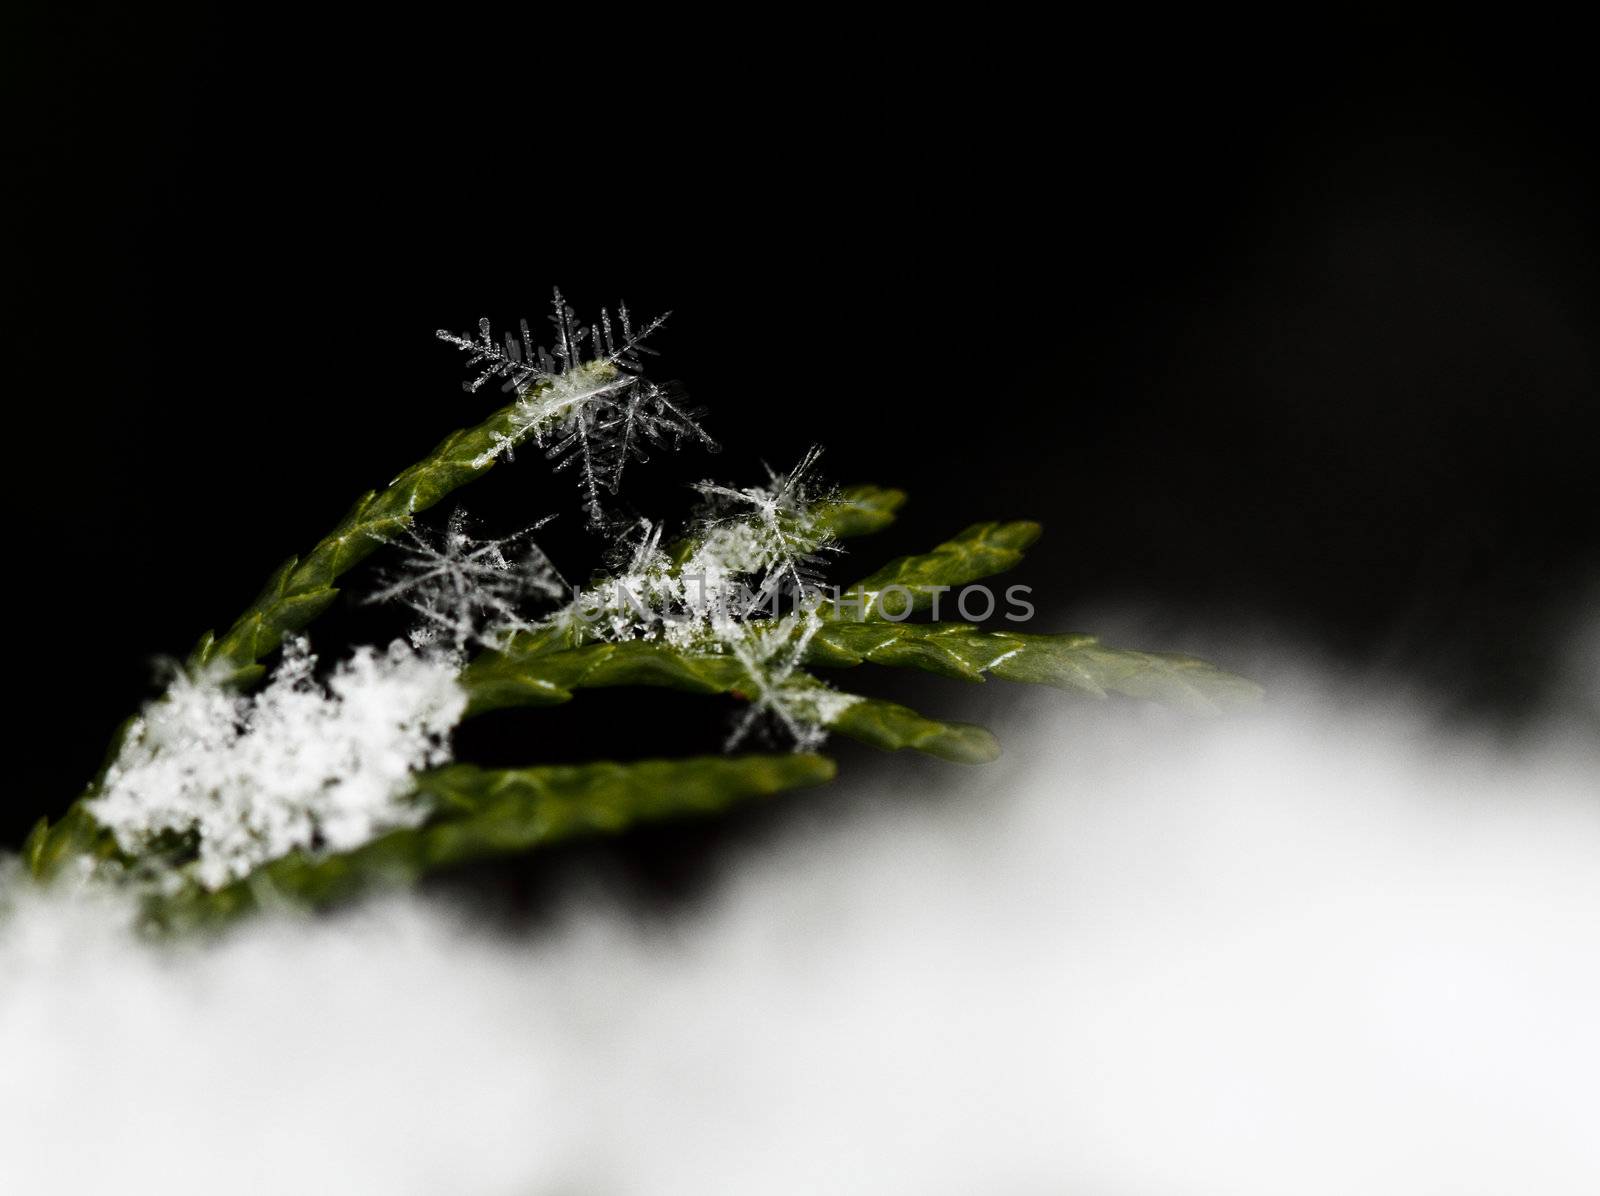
215 784
467 590
585 400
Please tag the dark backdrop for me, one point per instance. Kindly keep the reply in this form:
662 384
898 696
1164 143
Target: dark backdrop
1302 342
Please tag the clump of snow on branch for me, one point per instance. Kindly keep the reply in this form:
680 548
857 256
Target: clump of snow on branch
466 590
585 400
220 783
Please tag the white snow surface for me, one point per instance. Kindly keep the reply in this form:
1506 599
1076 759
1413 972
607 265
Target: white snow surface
1330 946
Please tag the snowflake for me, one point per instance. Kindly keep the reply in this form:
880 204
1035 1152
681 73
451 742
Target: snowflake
586 402
468 590
640 596
214 784
769 531
698 600
778 689
738 562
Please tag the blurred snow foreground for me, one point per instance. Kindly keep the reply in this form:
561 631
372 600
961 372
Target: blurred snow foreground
1324 948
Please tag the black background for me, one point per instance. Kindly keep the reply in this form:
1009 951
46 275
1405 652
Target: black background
1299 341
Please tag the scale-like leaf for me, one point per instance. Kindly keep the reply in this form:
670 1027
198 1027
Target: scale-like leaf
73 836
892 727
482 813
540 678
983 550
858 511
1072 662
544 678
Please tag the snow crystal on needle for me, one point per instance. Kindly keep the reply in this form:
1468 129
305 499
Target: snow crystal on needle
468 590
234 782
640 597
586 401
767 531
782 693
750 546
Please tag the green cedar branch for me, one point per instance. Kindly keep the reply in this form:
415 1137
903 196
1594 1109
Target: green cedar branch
857 511
302 587
892 727
498 680
982 550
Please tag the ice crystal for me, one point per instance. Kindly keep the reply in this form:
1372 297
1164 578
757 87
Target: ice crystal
467 590
717 593
768 531
640 596
749 545
757 543
778 689
585 401
217 784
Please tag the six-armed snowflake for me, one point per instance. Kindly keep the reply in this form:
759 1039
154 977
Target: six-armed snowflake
585 400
